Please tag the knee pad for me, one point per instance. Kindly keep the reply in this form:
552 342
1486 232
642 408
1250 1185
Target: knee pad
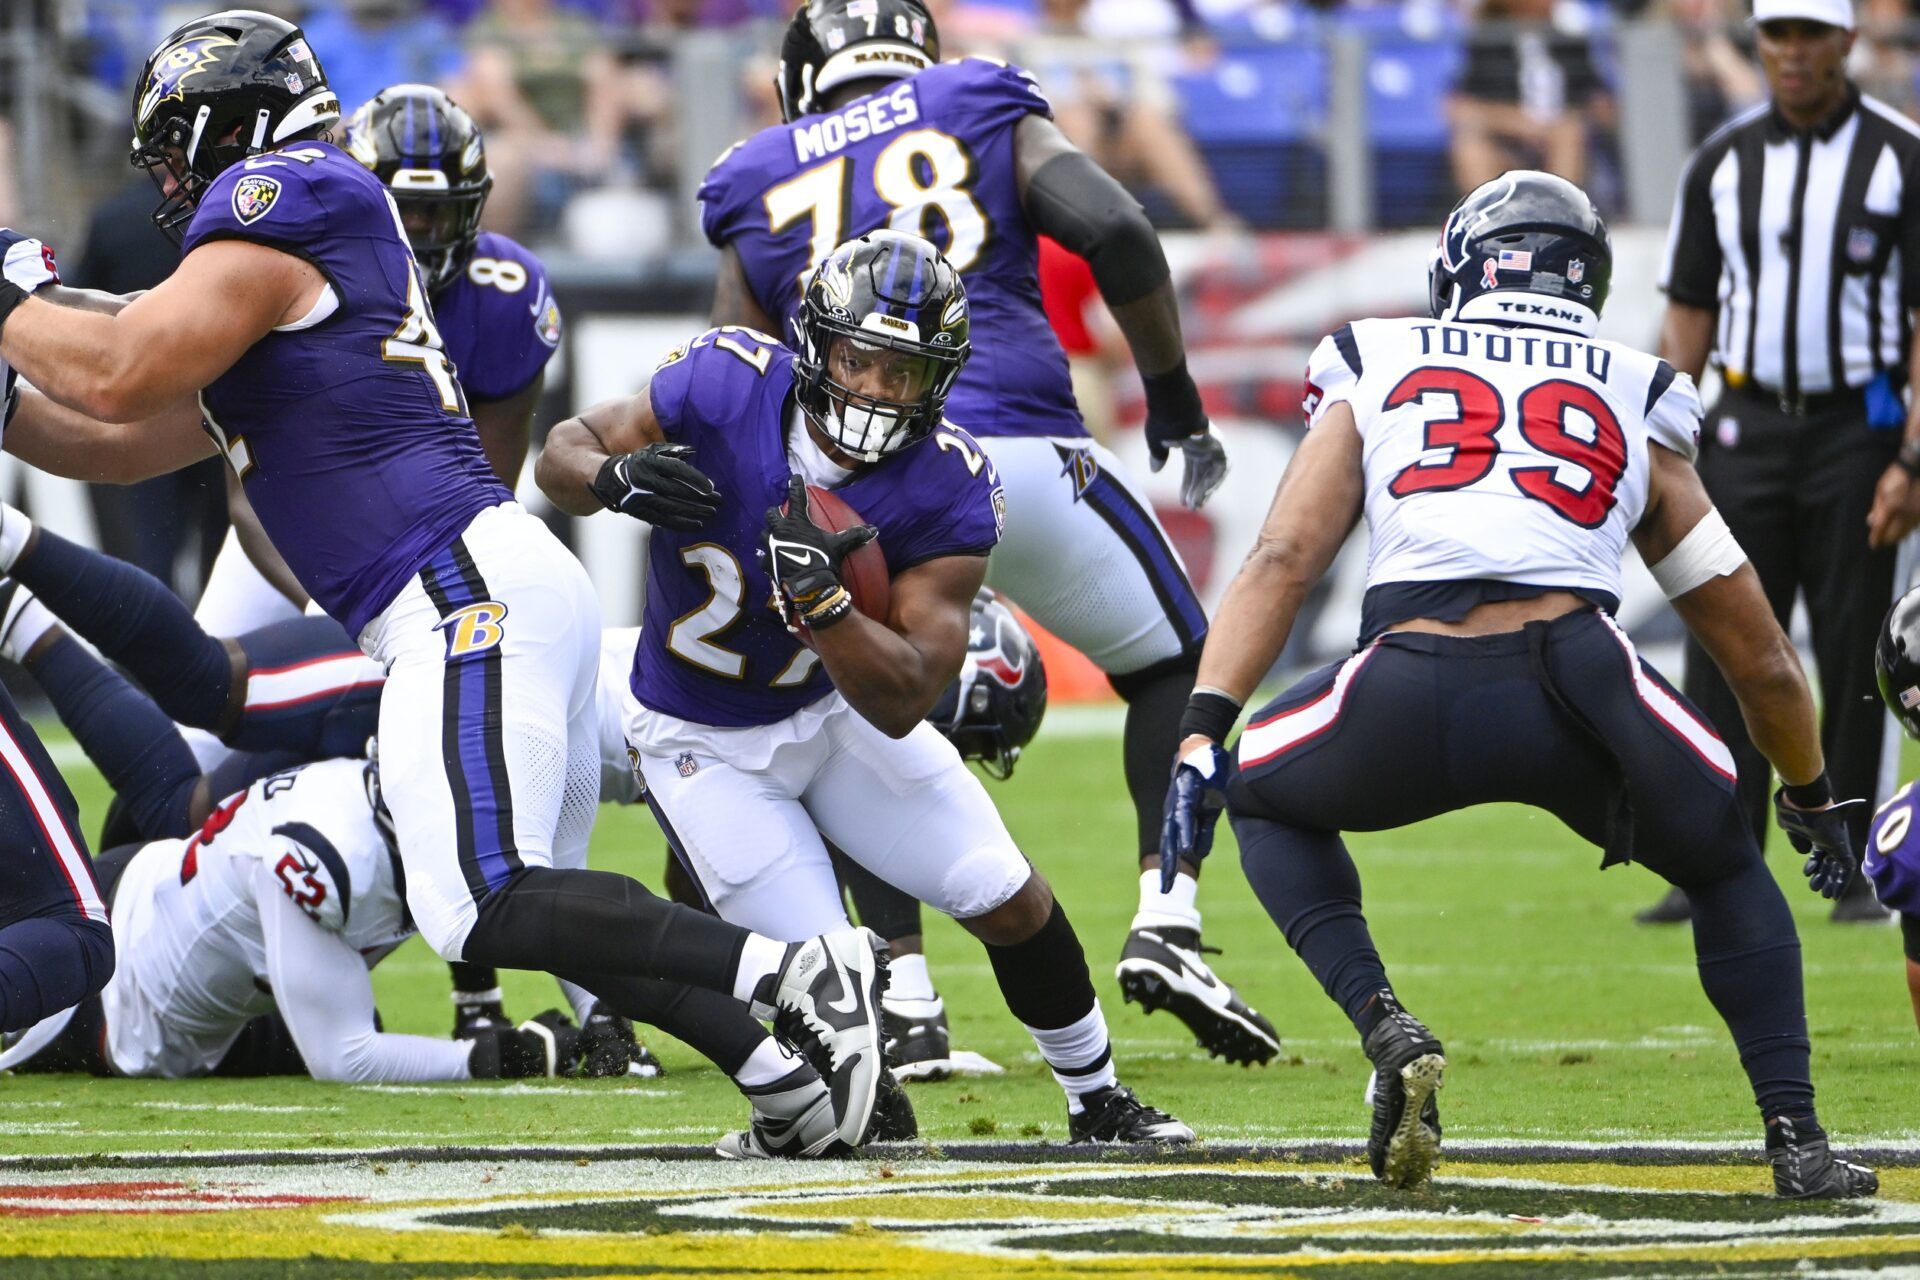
981 879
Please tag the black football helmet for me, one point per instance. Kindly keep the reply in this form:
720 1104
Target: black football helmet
830 42
884 292
1526 248
429 152
217 90
994 707
1896 661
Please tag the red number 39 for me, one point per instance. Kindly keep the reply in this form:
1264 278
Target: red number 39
1469 438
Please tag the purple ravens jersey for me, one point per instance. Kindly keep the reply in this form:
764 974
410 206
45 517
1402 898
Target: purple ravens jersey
499 319
712 649
1892 861
932 155
347 427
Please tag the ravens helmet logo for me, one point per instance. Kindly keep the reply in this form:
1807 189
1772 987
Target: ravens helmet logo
172 70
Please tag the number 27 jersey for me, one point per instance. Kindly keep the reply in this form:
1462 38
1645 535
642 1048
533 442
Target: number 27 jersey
1497 453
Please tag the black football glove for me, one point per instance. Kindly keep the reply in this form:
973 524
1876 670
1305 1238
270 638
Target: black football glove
804 562
545 1045
25 265
1823 835
659 485
1195 798
1175 417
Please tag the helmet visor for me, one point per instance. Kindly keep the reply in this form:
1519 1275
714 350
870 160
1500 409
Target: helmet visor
881 398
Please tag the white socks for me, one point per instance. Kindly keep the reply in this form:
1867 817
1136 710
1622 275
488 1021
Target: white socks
1080 1054
907 979
15 528
766 1064
1171 910
760 958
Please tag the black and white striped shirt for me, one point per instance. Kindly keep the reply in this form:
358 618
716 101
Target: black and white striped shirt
1807 244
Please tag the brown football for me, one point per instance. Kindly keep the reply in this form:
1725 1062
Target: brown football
864 573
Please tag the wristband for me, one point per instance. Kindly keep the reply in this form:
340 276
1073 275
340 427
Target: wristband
1172 395
11 296
837 605
1908 459
1210 714
1809 795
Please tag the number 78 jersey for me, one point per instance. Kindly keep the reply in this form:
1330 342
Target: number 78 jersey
931 155
1511 454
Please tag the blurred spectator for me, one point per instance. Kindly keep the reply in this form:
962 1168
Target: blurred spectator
1882 59
547 89
10 208
1527 94
1115 104
366 45
1721 77
689 15
157 523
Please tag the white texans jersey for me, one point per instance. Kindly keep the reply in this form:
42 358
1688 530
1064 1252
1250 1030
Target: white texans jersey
193 963
1500 454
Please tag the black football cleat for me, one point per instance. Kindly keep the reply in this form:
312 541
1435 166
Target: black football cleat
1162 968
609 1047
1113 1114
893 1117
475 1013
1804 1168
792 1119
918 1042
1671 909
830 987
1403 1144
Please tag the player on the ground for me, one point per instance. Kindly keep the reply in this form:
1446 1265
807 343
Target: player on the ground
753 746
878 135
56 946
1893 843
1502 456
298 321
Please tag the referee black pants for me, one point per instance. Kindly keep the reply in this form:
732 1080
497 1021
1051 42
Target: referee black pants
1796 490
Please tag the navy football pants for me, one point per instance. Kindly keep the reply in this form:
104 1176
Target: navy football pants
1562 715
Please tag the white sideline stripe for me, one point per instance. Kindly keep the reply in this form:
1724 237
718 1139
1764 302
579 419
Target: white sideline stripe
1266 739
73 862
271 689
250 1107
516 1090
1705 743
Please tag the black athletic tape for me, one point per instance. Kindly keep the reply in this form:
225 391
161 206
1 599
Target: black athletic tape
1212 715
1079 204
1809 795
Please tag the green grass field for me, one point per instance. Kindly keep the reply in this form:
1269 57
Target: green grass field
1564 1023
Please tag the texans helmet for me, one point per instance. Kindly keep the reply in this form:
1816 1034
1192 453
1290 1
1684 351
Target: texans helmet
429 152
1525 248
832 42
217 90
884 292
1896 661
994 707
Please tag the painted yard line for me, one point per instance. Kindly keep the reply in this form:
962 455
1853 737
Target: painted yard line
251 1107
521 1089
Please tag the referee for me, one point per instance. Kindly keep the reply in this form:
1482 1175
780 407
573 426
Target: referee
1794 264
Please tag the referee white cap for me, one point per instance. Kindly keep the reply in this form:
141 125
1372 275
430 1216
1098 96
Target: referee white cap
1835 13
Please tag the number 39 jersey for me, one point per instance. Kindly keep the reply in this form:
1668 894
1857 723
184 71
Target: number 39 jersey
931 155
1497 454
712 649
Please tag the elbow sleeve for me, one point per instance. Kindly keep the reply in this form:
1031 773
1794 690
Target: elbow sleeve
1079 204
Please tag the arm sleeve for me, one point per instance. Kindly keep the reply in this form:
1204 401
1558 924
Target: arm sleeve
1333 373
1691 273
1674 412
325 995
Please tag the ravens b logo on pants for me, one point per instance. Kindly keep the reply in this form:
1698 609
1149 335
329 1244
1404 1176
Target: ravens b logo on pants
473 629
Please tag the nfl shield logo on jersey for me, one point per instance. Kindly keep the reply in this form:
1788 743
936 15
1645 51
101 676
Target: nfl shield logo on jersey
253 196
686 764
1861 242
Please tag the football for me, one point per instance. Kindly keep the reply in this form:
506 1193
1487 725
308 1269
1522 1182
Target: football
864 573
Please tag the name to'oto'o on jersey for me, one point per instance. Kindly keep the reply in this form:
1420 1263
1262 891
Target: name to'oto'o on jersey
1505 346
869 118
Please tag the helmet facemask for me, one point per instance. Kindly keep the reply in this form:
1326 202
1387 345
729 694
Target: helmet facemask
442 226
873 394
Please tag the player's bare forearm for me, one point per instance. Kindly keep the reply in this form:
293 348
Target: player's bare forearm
258 547
577 447
167 343
65 442
506 427
733 300
1686 338
1315 508
106 304
893 673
